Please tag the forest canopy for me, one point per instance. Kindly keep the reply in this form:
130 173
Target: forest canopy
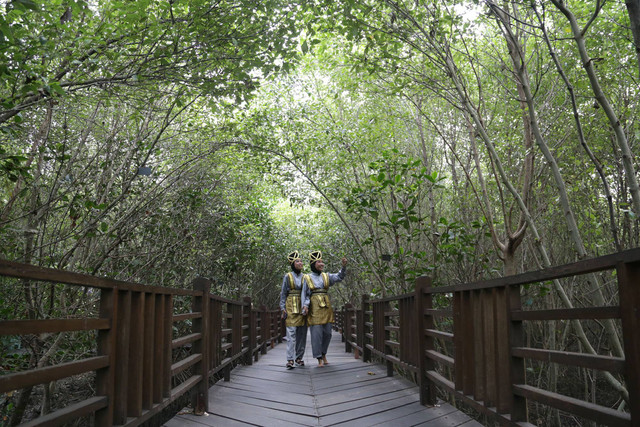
161 141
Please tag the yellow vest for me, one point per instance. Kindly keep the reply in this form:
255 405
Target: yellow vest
292 305
320 311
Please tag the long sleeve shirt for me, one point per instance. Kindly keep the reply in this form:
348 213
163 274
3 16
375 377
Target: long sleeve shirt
319 283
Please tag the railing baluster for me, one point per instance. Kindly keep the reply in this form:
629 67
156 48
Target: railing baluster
105 378
424 301
384 335
200 394
265 328
516 339
148 376
251 330
489 340
476 346
136 350
215 316
362 329
122 357
347 321
503 351
168 331
228 322
158 351
460 306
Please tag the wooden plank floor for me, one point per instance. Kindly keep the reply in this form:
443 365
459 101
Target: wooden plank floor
345 392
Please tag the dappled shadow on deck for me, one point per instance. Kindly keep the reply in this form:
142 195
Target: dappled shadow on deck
347 391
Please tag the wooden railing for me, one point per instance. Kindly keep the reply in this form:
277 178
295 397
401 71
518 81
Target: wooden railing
470 340
153 345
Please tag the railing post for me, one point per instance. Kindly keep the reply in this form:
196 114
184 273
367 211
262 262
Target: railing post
168 331
236 334
259 332
629 295
362 330
273 327
275 322
425 343
200 394
518 409
121 356
136 353
340 315
257 319
215 332
105 378
467 344
503 349
346 328
384 334
158 353
148 373
265 329
251 330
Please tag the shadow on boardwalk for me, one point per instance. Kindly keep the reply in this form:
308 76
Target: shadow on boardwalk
345 392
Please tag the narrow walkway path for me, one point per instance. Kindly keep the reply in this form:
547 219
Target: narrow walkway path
345 392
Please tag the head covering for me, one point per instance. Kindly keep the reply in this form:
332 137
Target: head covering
293 256
313 258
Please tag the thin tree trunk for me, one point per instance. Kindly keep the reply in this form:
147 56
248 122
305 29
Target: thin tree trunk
614 121
633 7
581 138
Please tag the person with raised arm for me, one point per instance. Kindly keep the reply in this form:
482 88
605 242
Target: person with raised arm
317 304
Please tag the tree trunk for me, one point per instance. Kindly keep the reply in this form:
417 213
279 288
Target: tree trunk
614 121
21 406
633 7
576 115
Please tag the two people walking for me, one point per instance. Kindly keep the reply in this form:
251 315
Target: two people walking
305 304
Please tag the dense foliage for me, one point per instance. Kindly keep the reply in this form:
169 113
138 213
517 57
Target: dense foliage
159 141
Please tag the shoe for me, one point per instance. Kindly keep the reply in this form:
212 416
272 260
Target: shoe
299 362
290 364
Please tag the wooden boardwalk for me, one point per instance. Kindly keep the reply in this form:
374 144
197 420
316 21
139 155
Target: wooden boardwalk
345 392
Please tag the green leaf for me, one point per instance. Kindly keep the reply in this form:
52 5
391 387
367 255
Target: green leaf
56 88
28 4
6 31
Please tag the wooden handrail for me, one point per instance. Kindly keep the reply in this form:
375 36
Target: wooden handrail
141 366
480 357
